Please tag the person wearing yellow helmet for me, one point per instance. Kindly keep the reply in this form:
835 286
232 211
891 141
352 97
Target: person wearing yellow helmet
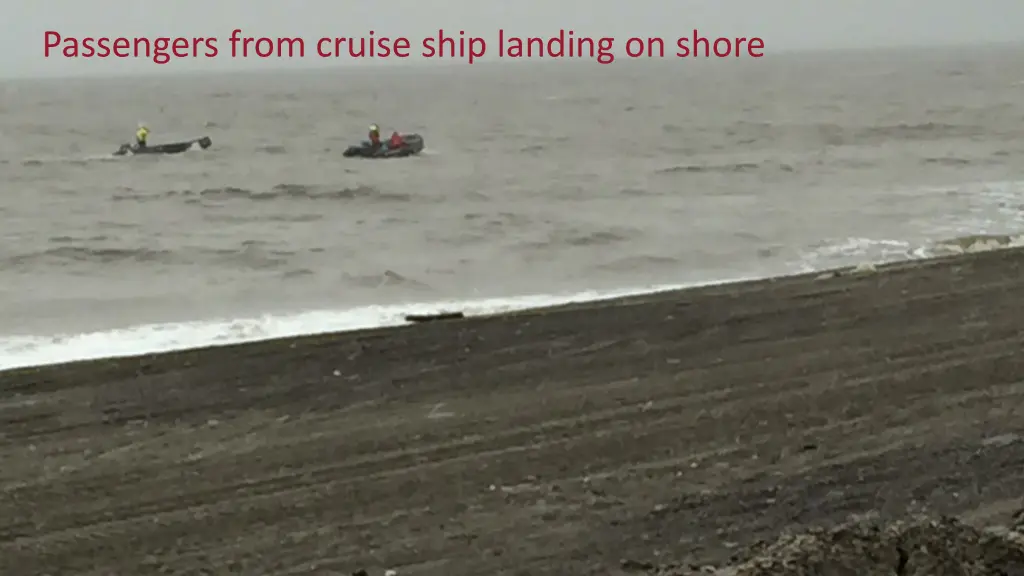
141 135
374 137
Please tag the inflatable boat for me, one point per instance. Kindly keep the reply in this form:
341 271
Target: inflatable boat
412 145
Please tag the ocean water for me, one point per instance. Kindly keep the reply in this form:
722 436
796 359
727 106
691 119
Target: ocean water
540 183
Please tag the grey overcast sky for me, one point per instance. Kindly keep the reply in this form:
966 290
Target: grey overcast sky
784 24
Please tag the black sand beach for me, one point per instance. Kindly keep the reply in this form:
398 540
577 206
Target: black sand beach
655 434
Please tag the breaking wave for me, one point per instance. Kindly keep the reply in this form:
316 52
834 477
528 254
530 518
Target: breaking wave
977 243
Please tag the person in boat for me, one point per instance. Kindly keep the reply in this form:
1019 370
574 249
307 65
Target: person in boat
375 142
396 141
141 135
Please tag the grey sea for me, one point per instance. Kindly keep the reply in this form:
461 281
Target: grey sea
539 178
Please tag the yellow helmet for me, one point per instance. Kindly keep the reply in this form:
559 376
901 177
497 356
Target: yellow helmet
374 128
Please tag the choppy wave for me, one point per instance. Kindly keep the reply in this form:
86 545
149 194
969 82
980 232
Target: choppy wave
249 255
278 192
103 251
919 131
947 161
645 262
834 134
272 149
68 160
576 237
96 253
728 168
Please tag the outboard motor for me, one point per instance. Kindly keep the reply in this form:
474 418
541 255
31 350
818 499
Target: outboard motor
204 142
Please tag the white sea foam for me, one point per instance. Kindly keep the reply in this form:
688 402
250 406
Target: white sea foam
22 351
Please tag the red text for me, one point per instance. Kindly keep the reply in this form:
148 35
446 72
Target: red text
282 47
371 47
697 46
159 50
468 48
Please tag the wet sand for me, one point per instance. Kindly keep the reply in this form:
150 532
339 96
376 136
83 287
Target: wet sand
686 428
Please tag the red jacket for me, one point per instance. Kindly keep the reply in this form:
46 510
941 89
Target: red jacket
396 140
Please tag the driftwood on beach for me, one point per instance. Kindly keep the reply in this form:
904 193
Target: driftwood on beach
421 318
655 434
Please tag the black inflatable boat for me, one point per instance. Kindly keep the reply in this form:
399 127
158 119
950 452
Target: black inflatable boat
413 145
172 148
